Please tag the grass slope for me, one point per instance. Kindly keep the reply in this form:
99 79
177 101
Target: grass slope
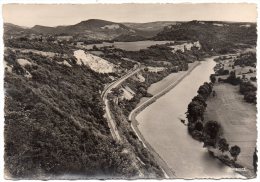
237 118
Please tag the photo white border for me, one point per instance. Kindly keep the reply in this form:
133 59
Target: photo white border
112 2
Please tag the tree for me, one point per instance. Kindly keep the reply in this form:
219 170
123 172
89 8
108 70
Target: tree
212 129
214 93
200 99
116 92
195 111
232 79
223 145
212 78
95 48
205 89
198 126
235 151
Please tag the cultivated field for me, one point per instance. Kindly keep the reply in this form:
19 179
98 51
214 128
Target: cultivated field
238 119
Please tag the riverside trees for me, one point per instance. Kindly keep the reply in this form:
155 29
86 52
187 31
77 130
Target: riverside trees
249 91
196 110
223 145
235 151
212 78
198 104
209 132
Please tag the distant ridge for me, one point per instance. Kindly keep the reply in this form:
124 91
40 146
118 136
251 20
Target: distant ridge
96 29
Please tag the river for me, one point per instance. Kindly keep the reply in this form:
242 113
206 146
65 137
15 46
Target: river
160 125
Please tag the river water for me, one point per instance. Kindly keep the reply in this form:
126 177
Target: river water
160 125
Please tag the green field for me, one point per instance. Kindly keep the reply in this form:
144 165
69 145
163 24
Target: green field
237 118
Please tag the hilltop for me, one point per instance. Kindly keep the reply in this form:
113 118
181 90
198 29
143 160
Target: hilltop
214 36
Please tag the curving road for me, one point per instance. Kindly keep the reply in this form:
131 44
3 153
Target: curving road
111 122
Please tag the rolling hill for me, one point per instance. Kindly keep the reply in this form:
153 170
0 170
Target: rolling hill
213 36
93 29
12 29
150 28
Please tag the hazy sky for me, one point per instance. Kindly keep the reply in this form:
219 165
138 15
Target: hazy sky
53 15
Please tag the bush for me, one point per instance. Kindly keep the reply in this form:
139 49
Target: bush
246 59
250 97
232 79
246 87
253 79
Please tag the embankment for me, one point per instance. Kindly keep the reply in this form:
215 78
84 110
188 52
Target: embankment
137 110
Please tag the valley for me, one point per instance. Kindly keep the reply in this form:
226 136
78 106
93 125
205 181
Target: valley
108 100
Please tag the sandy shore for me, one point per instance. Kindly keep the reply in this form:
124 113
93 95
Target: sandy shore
158 89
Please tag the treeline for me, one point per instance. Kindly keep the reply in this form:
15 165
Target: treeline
115 56
246 59
209 132
40 46
54 122
163 53
249 92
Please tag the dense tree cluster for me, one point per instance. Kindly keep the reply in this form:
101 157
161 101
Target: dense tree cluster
245 87
213 78
246 59
222 71
36 45
157 54
233 79
209 132
54 122
205 90
249 92
195 112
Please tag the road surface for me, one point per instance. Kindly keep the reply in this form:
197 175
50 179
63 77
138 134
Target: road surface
111 122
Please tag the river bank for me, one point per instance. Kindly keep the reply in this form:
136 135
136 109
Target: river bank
163 86
159 125
238 122
158 89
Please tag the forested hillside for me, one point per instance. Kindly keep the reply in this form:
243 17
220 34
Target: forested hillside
54 121
220 37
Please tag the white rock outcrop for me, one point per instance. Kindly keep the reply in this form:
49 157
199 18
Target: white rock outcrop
95 63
